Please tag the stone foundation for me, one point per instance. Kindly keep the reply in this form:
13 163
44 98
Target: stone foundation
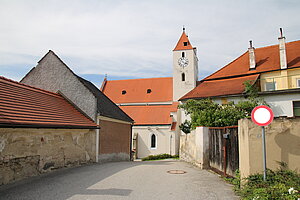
30 152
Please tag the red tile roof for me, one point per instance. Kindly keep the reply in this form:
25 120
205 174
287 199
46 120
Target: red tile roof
22 105
136 90
229 79
180 44
267 59
220 87
151 115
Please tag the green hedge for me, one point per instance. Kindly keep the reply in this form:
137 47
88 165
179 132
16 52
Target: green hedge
159 157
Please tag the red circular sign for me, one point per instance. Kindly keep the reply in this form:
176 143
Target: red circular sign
262 115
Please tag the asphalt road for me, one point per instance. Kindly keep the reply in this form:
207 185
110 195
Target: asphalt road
123 180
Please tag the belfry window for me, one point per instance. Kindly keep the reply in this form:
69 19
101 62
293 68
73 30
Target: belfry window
183 77
123 92
149 91
182 54
185 43
153 141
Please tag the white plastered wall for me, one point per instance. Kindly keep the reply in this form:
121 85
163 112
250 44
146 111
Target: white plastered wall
165 140
281 104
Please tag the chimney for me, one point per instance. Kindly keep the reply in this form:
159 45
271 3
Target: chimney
251 56
282 51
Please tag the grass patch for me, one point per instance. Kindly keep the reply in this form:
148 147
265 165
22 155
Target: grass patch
159 157
281 184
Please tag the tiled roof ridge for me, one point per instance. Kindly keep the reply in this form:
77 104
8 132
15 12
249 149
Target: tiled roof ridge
229 77
270 46
139 79
207 78
103 84
32 88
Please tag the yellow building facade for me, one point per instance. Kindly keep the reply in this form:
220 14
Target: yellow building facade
280 80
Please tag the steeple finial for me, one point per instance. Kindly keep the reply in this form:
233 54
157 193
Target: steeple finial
183 28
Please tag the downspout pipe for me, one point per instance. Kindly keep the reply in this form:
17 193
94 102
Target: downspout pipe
97 140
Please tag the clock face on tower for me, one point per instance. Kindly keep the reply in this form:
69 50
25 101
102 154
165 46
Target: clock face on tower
183 62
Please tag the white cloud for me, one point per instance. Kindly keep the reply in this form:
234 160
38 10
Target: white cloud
136 38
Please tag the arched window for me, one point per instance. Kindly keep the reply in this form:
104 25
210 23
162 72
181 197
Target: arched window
182 54
183 76
153 141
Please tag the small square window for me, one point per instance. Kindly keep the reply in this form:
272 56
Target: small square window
298 82
270 86
185 43
296 108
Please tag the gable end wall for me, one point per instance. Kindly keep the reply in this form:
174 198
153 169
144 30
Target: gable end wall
52 75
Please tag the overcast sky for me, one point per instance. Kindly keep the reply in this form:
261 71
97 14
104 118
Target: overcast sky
135 39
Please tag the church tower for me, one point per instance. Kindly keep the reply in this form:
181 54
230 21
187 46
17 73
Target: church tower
185 67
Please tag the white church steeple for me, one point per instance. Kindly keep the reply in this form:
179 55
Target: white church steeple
185 67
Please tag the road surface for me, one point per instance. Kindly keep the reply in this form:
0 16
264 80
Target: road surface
122 180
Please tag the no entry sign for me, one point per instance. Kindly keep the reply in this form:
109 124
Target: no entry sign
262 115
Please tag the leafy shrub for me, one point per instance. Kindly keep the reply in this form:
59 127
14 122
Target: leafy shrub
186 126
281 184
205 112
159 157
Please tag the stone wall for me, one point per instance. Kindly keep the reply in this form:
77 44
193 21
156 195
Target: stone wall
282 145
194 147
30 152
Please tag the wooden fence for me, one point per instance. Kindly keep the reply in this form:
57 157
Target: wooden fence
224 149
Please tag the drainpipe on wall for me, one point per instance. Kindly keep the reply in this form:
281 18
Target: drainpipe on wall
251 56
97 140
282 51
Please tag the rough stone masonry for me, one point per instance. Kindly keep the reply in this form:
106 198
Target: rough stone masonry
28 152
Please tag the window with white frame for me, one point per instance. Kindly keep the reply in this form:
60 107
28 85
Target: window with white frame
270 86
296 108
298 82
153 141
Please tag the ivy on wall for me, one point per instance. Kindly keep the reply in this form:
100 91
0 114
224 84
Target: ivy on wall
206 112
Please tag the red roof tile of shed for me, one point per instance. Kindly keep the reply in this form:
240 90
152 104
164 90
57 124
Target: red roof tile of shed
267 59
220 87
136 90
151 115
23 105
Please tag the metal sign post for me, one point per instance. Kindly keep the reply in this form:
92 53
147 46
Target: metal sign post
263 116
264 152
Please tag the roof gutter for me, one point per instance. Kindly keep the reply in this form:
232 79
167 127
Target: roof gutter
47 126
288 91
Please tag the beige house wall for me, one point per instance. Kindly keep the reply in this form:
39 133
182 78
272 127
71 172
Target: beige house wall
194 147
285 79
30 152
282 144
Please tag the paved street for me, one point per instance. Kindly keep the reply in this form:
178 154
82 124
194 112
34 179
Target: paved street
123 180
